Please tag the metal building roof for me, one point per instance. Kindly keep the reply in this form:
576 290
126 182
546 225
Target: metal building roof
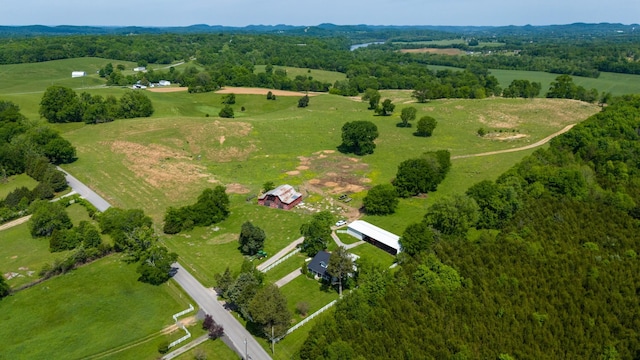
374 232
286 193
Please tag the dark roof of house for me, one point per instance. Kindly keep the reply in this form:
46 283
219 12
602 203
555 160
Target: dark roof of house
286 193
320 262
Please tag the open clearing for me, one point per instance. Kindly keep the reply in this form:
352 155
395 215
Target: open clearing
261 91
448 51
167 89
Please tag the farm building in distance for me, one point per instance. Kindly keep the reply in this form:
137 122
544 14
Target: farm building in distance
283 197
75 74
164 83
372 234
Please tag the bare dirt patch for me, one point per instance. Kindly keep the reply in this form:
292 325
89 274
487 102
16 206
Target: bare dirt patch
447 51
158 165
302 167
260 91
330 184
293 173
210 138
167 89
236 188
505 136
314 181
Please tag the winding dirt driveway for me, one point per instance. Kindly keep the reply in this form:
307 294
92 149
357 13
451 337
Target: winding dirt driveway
530 146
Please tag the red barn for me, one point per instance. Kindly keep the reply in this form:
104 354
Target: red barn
283 197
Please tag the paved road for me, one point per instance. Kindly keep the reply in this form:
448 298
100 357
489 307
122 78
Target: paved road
84 191
288 278
280 254
233 329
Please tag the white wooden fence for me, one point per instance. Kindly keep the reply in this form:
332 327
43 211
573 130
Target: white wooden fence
295 251
175 318
307 319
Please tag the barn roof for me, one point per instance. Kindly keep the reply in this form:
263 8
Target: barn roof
286 193
374 232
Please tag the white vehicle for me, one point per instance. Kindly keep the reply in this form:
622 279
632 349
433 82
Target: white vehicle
341 223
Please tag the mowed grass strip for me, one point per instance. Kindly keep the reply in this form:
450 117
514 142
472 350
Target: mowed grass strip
320 75
90 310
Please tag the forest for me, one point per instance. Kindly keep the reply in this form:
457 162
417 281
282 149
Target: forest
546 275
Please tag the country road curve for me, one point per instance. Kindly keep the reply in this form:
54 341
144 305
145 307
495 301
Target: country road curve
530 146
84 191
233 329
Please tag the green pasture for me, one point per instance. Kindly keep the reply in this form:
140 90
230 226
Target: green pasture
91 310
212 350
616 84
14 182
24 255
320 75
209 251
449 42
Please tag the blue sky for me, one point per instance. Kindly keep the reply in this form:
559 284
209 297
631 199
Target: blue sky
342 12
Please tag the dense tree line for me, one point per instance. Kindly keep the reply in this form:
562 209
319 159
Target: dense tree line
212 207
60 104
555 277
34 149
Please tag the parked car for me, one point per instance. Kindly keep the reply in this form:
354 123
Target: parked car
341 223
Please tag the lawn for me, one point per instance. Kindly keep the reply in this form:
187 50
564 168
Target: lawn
87 311
24 255
320 75
14 182
311 291
373 255
286 267
212 350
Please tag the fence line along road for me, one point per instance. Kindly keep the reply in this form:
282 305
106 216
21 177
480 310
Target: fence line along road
243 343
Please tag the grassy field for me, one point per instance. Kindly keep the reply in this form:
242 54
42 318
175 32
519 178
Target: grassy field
68 316
24 255
212 350
14 182
320 75
616 84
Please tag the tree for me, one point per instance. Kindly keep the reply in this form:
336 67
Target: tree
421 93
417 237
316 233
214 329
373 96
270 96
426 125
60 151
416 176
268 186
251 238
5 289
436 276
242 292
452 215
386 108
269 310
358 137
48 217
381 200
302 308
229 99
224 281
135 104
60 104
303 101
155 267
226 112
340 266
408 114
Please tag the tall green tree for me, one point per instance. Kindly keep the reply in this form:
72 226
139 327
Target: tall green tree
48 217
386 108
229 99
155 267
381 200
340 266
416 238
426 125
269 310
251 238
226 112
135 104
316 233
60 104
421 93
358 137
303 101
5 289
373 96
452 215
408 114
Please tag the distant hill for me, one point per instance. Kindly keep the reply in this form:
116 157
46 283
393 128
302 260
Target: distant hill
355 32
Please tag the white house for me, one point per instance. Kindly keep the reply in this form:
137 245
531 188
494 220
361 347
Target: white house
139 68
164 82
75 74
381 238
